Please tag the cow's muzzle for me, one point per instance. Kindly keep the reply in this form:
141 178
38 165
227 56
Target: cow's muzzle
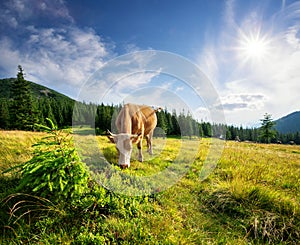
124 166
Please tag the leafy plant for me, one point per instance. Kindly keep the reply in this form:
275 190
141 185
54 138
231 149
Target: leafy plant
55 171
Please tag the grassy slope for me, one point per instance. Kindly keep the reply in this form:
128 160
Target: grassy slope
252 196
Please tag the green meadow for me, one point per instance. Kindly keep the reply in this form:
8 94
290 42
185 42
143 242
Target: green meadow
252 196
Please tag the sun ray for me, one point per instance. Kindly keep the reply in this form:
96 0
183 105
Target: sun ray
253 46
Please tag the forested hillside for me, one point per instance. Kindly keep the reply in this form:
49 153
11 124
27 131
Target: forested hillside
37 90
64 111
24 103
39 102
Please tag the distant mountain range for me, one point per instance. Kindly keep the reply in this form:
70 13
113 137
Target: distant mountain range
38 91
289 123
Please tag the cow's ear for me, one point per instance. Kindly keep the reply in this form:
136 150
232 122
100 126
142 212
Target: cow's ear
111 138
135 137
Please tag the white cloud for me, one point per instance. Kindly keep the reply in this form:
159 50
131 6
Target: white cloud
56 57
131 47
292 36
208 62
180 88
115 87
136 80
202 114
229 15
154 95
62 56
21 10
10 56
242 101
249 88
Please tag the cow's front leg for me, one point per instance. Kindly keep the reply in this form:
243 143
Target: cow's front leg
139 146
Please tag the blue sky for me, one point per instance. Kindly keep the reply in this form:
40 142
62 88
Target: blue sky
249 50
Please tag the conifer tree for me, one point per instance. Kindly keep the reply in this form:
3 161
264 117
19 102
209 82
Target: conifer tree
176 128
170 124
267 133
162 121
207 130
23 114
189 125
4 115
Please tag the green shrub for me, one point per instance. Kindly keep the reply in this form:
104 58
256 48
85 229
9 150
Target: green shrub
55 171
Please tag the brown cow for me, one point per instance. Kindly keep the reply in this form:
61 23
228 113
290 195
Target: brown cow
133 123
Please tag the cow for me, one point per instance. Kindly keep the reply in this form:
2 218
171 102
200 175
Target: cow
134 122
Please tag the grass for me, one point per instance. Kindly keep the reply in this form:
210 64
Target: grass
15 147
251 197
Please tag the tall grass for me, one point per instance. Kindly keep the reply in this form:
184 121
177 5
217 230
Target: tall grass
15 147
252 197
257 187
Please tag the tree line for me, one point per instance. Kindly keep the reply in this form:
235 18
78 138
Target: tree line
23 110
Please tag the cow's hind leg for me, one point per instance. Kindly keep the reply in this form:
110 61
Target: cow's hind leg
149 142
139 146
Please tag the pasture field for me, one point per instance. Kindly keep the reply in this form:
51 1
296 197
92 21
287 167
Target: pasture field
251 197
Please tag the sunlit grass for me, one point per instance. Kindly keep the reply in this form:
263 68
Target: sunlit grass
15 147
251 197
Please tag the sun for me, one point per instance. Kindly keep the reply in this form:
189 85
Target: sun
254 47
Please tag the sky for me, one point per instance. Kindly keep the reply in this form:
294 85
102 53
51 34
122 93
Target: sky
118 51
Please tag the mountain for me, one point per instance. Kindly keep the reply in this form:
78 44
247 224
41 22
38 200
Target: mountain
46 103
289 123
38 91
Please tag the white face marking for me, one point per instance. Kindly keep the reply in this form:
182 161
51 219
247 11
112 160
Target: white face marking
124 146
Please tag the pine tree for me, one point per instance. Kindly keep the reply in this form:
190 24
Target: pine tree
207 130
200 129
176 128
170 124
189 125
297 138
4 115
162 121
182 123
267 133
228 133
77 116
23 114
48 110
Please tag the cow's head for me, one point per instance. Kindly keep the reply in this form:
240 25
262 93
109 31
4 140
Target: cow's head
124 143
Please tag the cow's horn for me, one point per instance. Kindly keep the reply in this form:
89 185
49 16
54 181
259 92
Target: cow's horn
111 133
